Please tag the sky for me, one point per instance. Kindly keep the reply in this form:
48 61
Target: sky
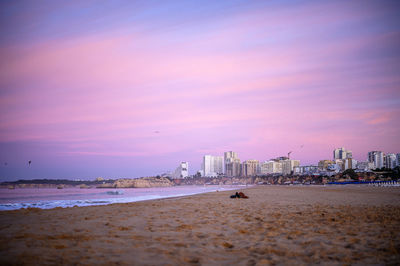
132 88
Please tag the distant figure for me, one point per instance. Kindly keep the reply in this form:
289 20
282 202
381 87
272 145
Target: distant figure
242 195
156 131
29 163
5 163
239 195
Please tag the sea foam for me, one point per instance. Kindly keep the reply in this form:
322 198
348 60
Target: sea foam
70 197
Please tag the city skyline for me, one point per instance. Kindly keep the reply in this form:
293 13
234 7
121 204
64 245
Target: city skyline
134 88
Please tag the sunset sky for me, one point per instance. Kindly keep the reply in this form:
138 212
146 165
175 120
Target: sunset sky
132 88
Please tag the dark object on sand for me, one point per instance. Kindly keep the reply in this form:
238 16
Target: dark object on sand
242 195
239 195
236 195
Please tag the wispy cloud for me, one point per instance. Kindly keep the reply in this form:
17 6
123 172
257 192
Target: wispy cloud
261 79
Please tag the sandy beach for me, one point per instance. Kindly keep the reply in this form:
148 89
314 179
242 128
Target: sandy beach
277 225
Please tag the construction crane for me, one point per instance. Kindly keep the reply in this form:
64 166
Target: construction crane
288 155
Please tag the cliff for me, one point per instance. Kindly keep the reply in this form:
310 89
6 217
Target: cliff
145 182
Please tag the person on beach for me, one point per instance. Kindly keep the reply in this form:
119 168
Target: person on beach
239 195
242 195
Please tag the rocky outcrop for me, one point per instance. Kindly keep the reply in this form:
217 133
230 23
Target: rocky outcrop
105 185
145 182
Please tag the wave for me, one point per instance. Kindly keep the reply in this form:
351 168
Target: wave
50 204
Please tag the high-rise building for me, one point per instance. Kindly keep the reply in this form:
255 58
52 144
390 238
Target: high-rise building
350 163
342 153
212 165
182 171
288 165
250 167
376 157
227 156
391 161
232 167
271 167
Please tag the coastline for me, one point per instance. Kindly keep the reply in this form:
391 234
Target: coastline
49 198
276 225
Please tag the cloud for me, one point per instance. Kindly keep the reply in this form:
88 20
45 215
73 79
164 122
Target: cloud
260 80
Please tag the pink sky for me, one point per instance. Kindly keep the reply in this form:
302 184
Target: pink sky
82 93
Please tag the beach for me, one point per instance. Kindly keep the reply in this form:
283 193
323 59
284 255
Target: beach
276 225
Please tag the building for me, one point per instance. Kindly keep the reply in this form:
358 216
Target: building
376 157
298 170
288 165
391 161
229 157
398 159
336 167
324 164
182 171
212 165
350 163
271 167
233 167
305 170
250 168
342 153
339 164
364 166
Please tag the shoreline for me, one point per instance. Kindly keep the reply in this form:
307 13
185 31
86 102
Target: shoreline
77 202
71 197
276 225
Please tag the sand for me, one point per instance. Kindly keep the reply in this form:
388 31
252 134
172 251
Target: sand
277 225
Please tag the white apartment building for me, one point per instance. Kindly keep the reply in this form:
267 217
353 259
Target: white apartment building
271 167
391 161
342 153
212 165
229 157
250 168
288 165
233 167
350 163
376 157
182 171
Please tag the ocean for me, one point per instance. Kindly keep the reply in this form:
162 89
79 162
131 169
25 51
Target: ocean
48 198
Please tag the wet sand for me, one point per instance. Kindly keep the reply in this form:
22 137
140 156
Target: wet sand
277 225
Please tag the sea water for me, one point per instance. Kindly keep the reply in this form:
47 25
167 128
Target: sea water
47 198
